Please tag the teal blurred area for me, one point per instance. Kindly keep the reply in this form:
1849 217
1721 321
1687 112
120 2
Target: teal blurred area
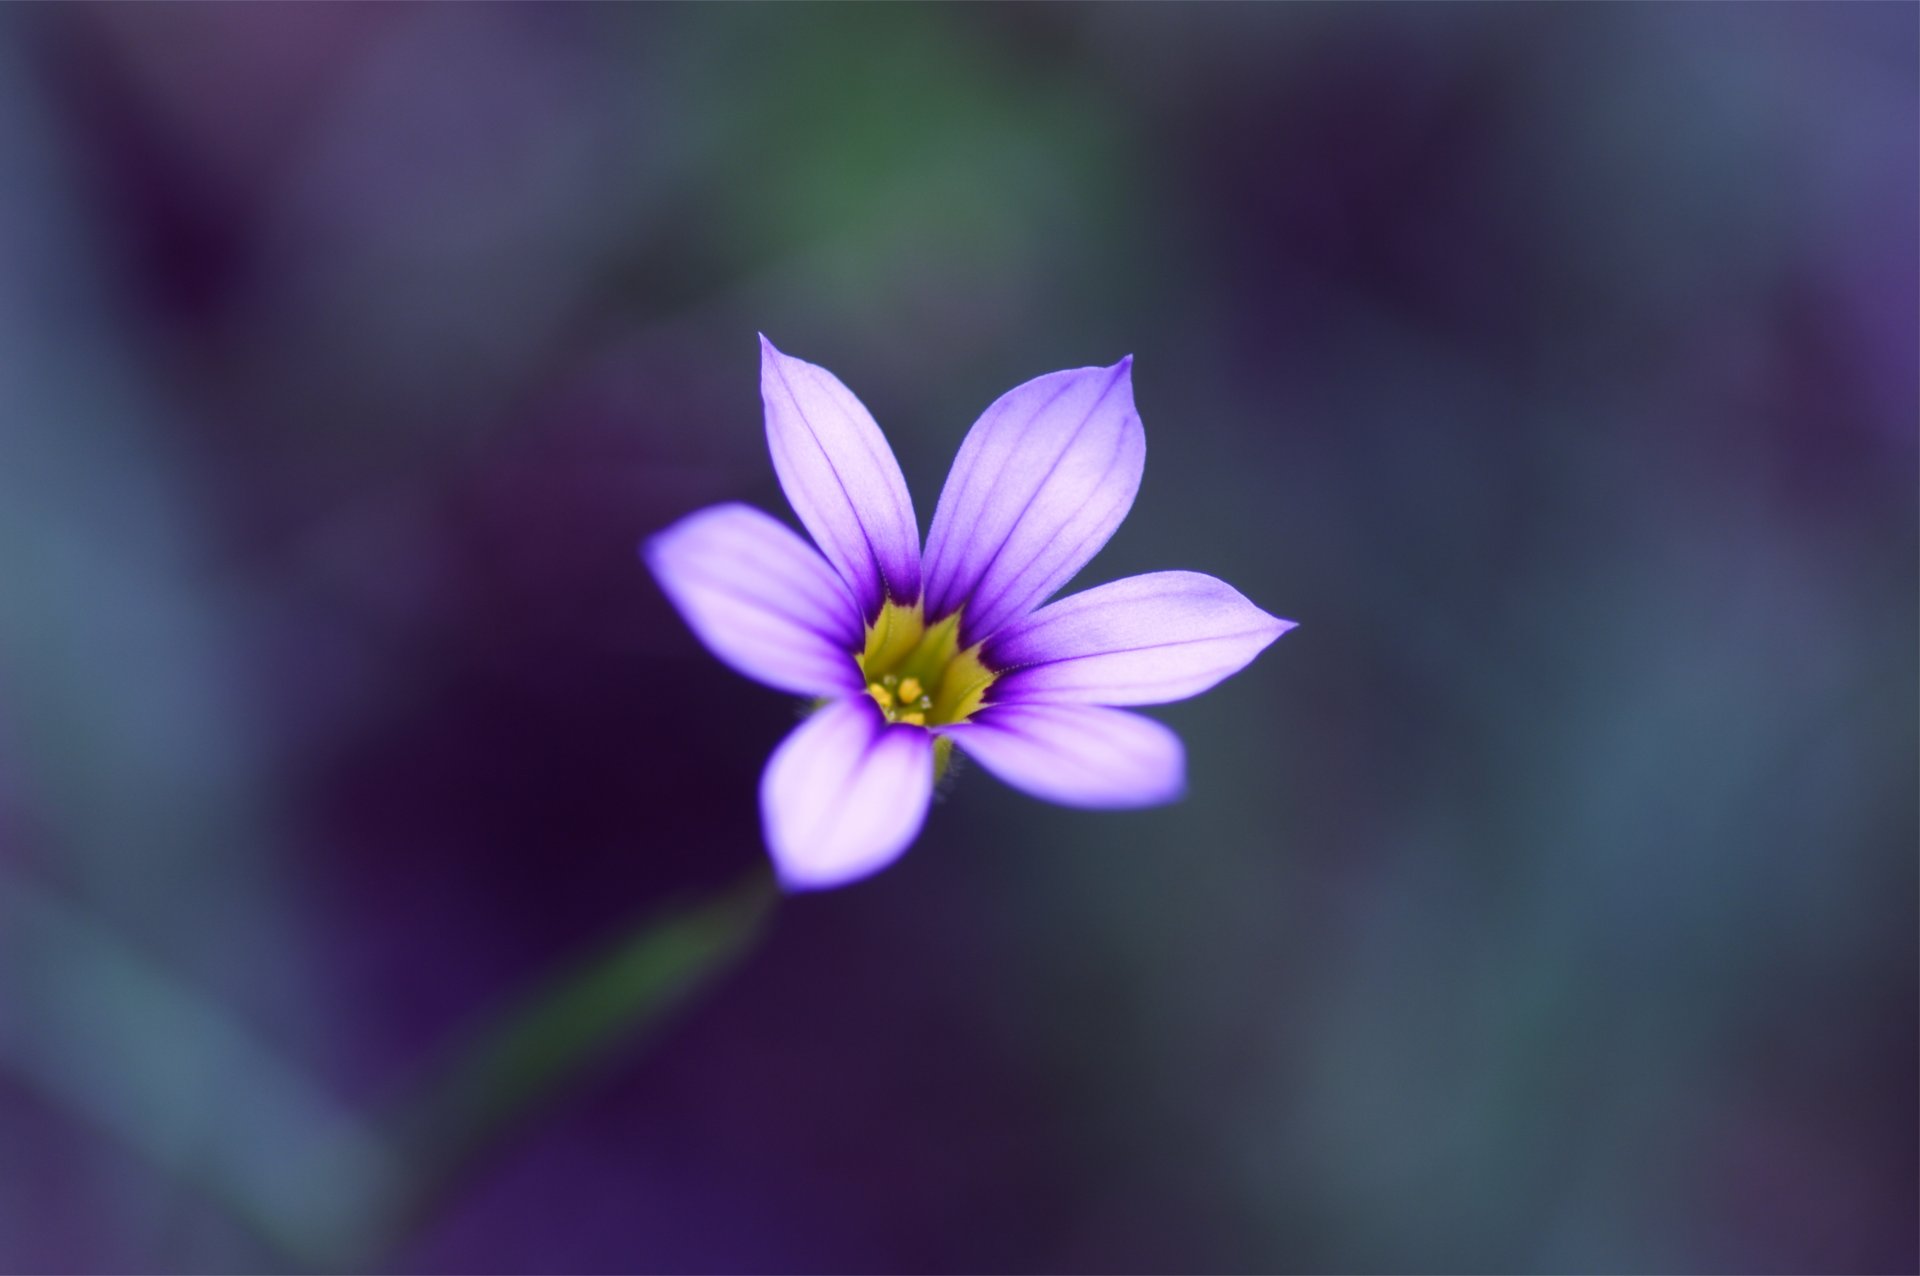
1546 903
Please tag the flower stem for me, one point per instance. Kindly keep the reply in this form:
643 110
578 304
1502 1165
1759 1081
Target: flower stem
518 1064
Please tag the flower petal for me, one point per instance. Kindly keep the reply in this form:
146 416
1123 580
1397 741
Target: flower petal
1077 754
837 470
760 598
844 794
1042 480
1143 640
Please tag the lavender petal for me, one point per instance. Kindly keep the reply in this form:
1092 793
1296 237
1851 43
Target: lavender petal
844 795
1041 481
1144 640
760 598
1077 755
837 470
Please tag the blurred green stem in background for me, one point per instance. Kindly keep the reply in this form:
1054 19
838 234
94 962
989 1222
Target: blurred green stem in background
532 1050
320 1187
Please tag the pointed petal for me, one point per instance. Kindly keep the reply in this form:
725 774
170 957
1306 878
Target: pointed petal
760 598
1042 480
1077 754
837 470
1143 640
844 795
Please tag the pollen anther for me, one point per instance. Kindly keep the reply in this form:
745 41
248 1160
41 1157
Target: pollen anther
917 673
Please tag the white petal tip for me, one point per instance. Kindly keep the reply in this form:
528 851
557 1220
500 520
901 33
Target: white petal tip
800 874
800 879
1276 629
792 883
1146 799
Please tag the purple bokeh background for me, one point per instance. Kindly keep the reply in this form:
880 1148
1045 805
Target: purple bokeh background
1546 903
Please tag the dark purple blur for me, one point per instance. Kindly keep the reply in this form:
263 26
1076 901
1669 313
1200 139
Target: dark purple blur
1546 903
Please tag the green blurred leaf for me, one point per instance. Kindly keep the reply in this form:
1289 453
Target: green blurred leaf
92 1023
528 1056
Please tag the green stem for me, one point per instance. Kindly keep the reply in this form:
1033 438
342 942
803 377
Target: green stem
520 1062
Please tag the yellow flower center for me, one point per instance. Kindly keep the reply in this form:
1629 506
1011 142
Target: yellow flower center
917 674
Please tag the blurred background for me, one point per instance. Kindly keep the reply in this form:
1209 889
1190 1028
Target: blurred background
1547 902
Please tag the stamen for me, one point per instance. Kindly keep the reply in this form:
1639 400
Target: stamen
917 673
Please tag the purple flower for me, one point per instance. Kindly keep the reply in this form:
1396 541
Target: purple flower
910 653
